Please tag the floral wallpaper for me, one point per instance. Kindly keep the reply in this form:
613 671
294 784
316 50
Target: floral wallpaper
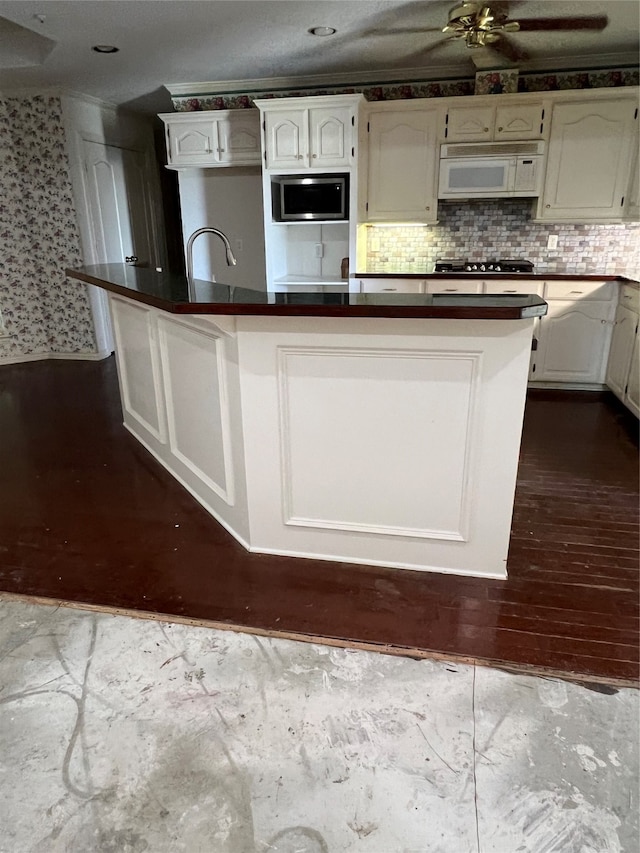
42 312
397 90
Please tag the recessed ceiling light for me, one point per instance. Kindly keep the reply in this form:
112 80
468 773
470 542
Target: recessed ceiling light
105 48
322 31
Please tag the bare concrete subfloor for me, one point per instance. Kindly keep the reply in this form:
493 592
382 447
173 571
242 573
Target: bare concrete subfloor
121 735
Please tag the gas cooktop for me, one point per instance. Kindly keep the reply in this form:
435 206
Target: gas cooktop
457 265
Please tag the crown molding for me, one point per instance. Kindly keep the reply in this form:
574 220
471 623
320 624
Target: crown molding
346 78
460 70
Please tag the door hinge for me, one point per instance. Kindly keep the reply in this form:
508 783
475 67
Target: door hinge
366 207
264 154
264 125
368 127
622 201
635 115
353 121
533 368
534 344
353 151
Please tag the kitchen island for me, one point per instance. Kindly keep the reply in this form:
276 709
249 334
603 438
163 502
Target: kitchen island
381 429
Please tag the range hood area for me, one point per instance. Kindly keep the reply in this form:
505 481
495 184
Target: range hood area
491 170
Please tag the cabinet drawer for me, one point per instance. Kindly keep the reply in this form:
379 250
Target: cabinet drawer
630 298
464 286
601 291
389 285
518 287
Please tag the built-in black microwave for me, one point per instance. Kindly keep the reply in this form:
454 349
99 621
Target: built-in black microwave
302 197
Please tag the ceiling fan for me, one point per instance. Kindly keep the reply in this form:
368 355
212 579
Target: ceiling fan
487 25
480 25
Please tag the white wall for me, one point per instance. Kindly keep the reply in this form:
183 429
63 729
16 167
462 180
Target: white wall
229 199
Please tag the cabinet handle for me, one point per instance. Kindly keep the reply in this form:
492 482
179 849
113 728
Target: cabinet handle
576 291
510 291
450 290
389 288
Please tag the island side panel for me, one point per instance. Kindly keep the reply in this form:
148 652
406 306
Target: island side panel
180 397
389 442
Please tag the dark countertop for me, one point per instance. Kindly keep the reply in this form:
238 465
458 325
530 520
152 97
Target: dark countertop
483 276
169 292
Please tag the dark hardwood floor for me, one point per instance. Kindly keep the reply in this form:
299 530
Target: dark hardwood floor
87 515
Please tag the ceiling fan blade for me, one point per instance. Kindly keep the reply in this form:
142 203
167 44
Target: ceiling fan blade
505 47
417 58
596 22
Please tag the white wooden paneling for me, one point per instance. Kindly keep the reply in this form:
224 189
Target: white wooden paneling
370 421
412 425
138 365
195 386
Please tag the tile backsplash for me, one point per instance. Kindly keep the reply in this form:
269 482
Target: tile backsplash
501 228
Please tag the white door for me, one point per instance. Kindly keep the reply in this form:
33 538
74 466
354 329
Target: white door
287 139
633 384
120 217
402 166
574 336
588 161
330 137
624 334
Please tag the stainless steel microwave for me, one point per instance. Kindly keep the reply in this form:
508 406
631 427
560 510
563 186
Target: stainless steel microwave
313 197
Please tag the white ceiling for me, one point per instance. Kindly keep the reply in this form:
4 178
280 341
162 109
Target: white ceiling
188 41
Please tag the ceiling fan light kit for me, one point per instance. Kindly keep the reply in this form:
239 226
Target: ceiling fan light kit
483 27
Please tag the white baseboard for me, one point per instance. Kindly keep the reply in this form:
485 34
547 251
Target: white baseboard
568 386
45 356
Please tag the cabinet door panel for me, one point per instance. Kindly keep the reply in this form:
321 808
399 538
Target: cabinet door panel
470 124
633 385
402 166
519 122
622 341
193 143
573 341
588 160
330 142
286 139
239 140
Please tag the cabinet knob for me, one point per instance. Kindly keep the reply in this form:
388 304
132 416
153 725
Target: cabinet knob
314 156
499 128
427 207
486 130
299 156
547 205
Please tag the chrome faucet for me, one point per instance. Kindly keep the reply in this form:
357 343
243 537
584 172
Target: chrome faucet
231 261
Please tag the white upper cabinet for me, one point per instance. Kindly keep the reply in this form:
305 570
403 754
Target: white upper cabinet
491 122
310 133
212 138
402 163
589 160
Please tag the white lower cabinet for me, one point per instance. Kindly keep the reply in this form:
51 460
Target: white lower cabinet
623 369
575 335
